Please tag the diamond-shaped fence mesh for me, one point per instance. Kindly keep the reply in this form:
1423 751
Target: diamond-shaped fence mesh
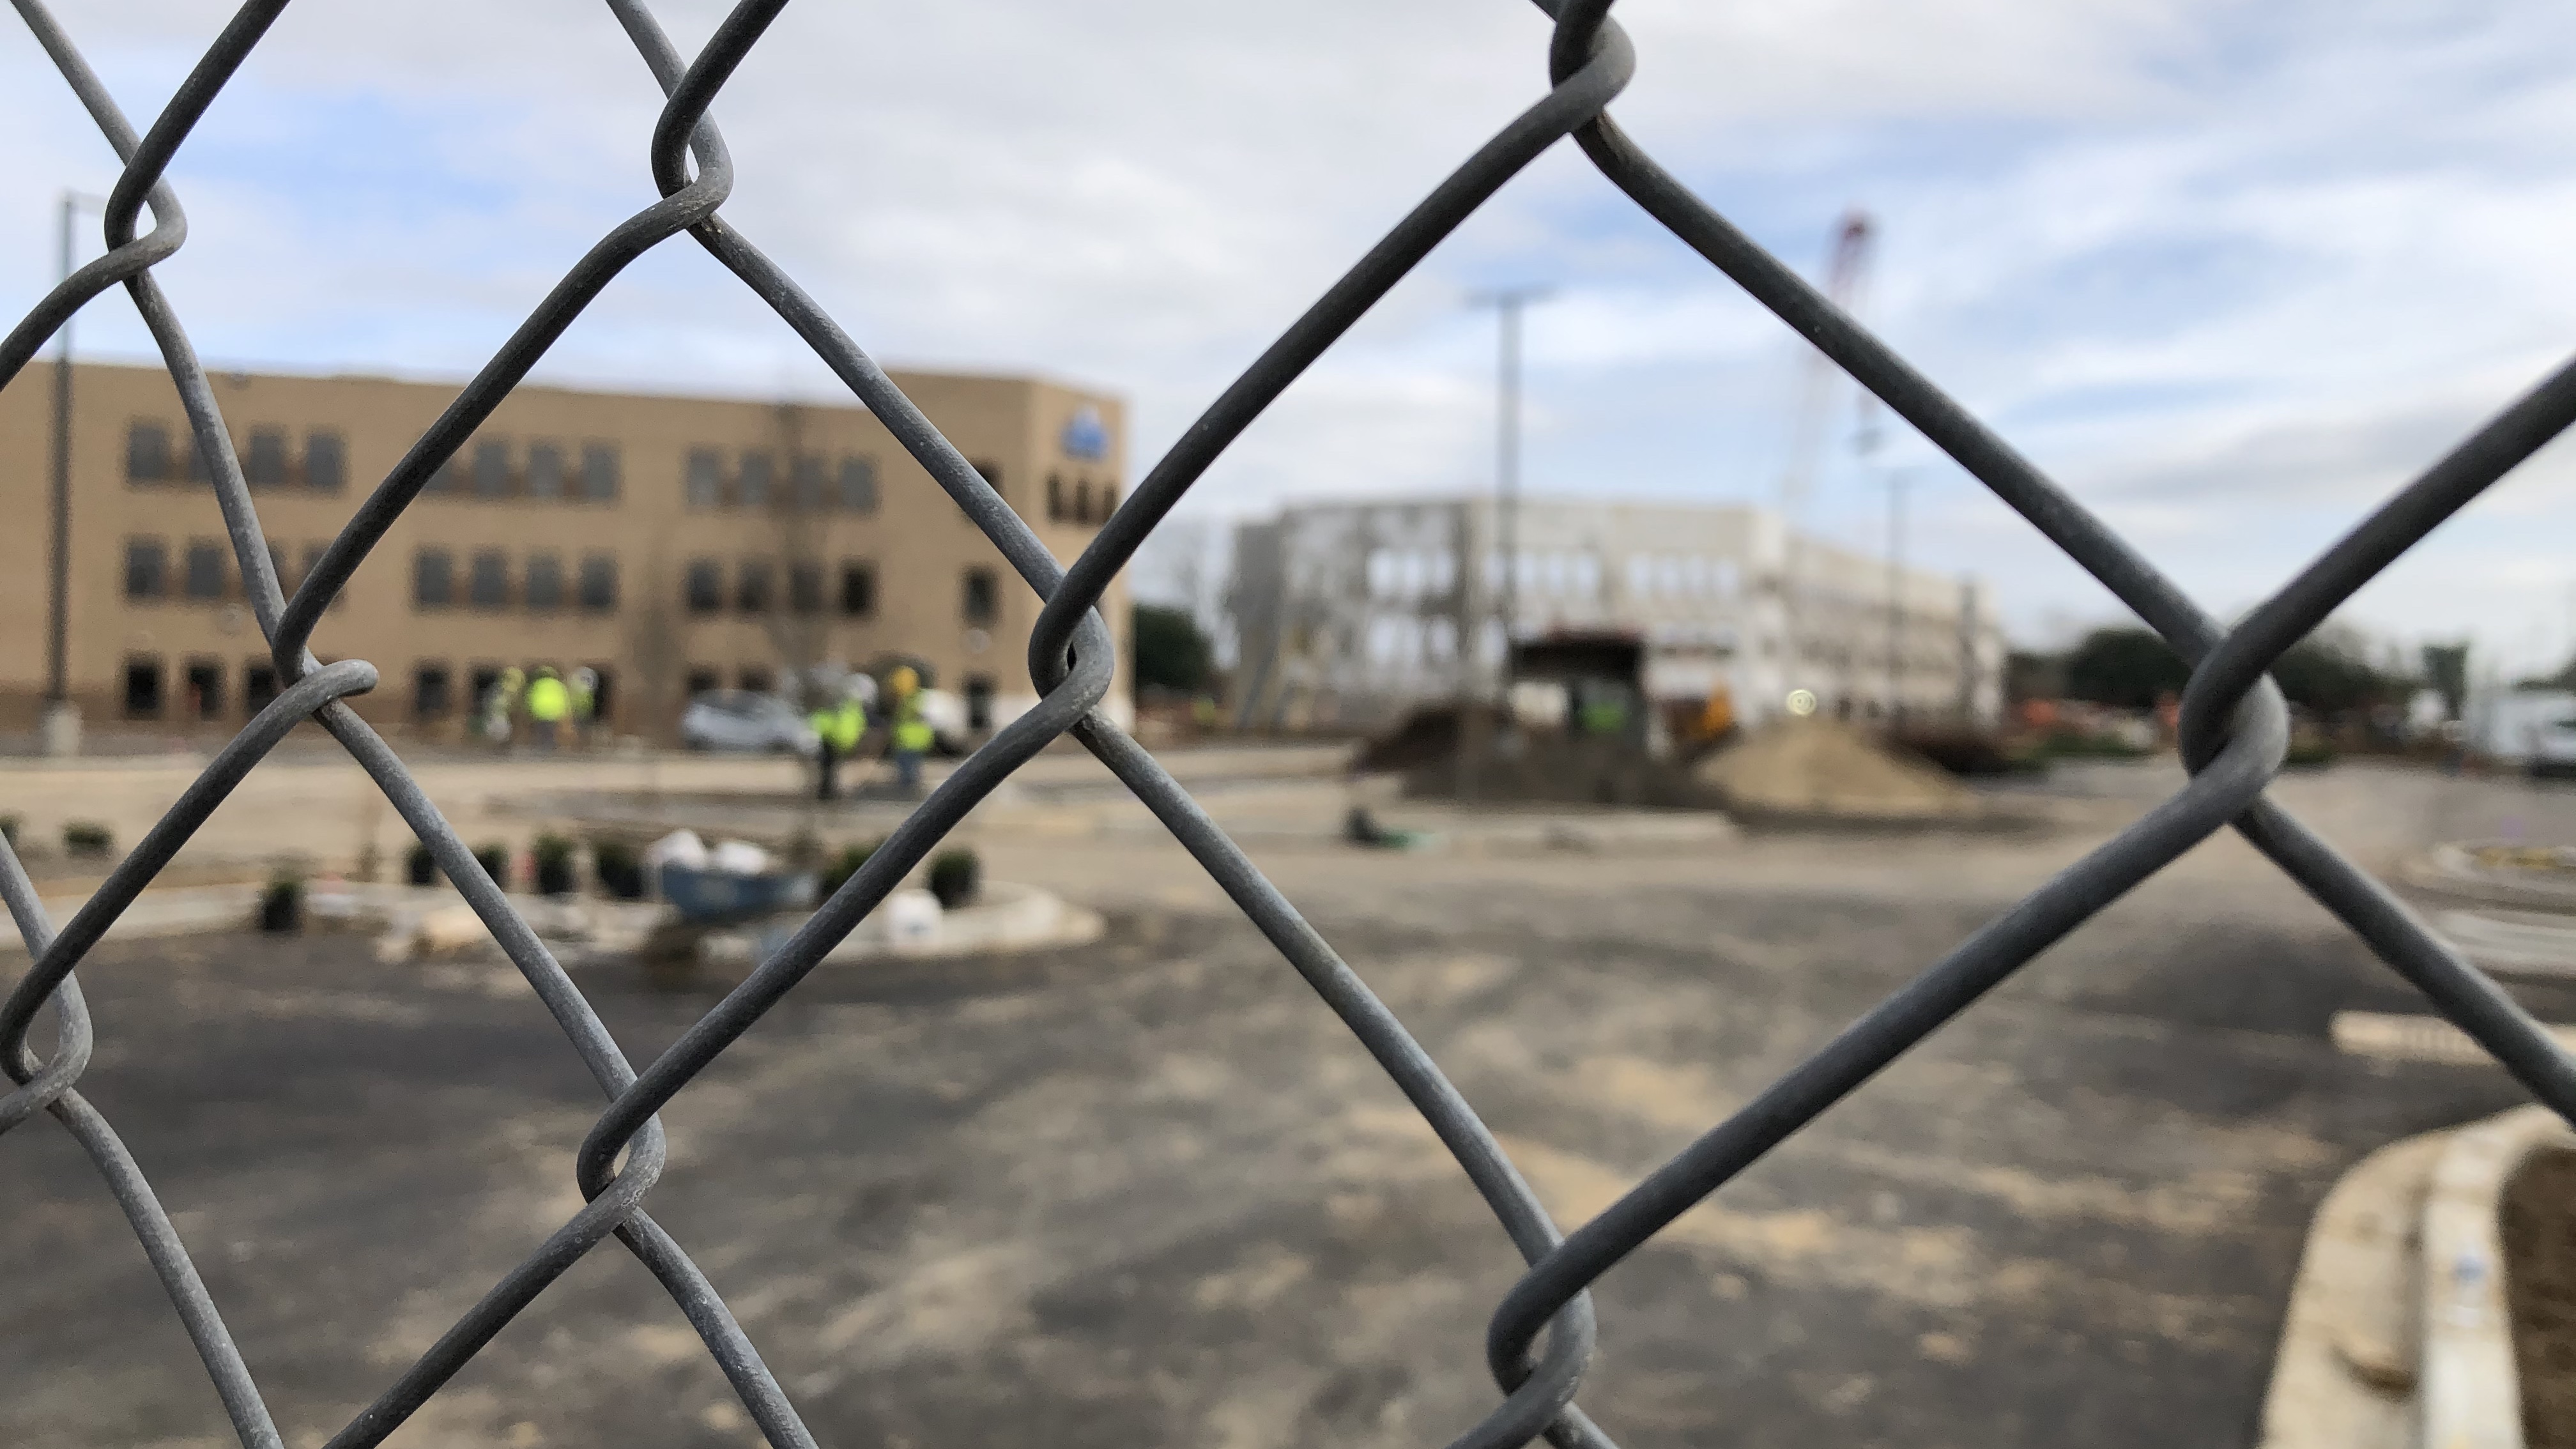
2234 728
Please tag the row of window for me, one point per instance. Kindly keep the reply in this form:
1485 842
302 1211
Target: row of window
202 690
1079 503
813 484
204 571
755 589
539 585
498 468
541 469
154 454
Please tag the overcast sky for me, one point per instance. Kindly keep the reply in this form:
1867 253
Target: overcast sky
2231 272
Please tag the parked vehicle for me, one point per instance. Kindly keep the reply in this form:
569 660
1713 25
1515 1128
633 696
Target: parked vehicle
739 719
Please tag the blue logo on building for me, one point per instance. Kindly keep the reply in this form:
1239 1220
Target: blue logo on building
1086 437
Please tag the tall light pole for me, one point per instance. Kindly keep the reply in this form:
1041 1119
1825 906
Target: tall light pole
1507 303
62 717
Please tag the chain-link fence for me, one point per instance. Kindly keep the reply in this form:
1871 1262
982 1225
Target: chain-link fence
2234 728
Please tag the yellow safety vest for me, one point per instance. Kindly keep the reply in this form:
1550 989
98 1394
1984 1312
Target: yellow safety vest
548 699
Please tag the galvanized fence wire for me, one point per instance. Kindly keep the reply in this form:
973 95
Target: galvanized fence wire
1540 1338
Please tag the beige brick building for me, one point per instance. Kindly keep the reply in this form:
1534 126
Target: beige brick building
671 543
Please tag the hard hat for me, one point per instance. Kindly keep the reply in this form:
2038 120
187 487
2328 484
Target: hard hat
545 671
586 677
903 680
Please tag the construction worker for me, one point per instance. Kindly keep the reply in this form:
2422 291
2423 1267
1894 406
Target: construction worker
585 700
500 702
837 729
911 736
549 704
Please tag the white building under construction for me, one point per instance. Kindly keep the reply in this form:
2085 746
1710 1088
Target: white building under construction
1350 614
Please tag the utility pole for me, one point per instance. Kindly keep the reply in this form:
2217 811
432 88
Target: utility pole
62 726
1896 481
1507 303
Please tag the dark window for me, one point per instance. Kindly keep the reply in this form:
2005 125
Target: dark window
147 453
752 677
703 680
858 589
199 470
1108 500
807 483
147 569
1055 498
751 487
599 583
1082 501
265 465
206 688
443 478
492 470
487 581
142 686
991 471
482 679
979 701
259 685
755 585
545 470
545 582
599 472
287 578
432 696
602 691
805 587
205 576
981 600
706 586
704 484
326 462
858 485
433 579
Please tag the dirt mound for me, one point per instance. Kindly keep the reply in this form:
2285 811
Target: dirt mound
1822 767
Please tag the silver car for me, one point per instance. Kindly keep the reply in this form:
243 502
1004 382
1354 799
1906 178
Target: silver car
739 719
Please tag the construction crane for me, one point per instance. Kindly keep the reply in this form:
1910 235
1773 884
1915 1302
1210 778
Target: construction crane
1846 273
1846 282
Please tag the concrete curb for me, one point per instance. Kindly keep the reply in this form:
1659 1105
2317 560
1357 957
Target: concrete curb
178 911
1009 918
2398 1333
2450 870
2470 1397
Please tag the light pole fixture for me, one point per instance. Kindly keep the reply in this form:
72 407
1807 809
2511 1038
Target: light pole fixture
62 717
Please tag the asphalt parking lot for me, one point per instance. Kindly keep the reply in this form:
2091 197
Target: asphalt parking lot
1148 1192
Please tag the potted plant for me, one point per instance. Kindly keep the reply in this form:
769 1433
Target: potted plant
553 858
619 867
955 876
495 860
420 868
281 903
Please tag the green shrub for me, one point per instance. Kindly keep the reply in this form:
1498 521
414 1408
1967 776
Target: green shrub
553 855
843 866
2308 754
495 860
619 867
955 876
420 867
281 904
87 837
